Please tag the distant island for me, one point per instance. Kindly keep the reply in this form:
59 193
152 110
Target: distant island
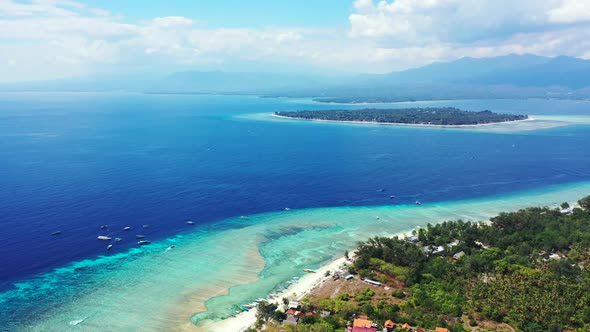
439 116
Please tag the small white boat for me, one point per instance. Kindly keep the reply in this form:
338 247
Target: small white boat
190 222
118 239
287 209
145 226
77 321
56 233
418 203
109 247
244 218
103 226
143 242
127 228
139 236
103 238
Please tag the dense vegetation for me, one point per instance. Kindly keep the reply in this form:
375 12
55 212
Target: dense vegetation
528 269
432 116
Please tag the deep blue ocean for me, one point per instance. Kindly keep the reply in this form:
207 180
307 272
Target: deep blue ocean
73 162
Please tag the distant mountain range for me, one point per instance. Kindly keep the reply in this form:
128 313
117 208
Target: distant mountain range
511 76
518 70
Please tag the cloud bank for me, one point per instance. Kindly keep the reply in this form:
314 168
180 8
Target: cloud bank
47 39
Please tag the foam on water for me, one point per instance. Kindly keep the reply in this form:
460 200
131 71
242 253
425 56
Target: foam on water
153 288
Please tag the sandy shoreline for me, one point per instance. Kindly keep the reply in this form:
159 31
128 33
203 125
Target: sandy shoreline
407 124
295 291
298 290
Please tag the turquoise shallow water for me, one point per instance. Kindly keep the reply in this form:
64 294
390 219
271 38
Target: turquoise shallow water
73 162
154 288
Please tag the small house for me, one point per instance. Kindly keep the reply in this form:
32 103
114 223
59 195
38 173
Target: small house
430 250
438 250
372 282
363 329
362 323
407 326
458 255
388 326
441 329
292 320
567 211
348 276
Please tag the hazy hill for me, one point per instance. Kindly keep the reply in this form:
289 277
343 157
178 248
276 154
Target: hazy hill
518 70
511 76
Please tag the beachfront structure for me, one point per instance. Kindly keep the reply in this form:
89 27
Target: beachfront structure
363 329
372 282
412 239
458 255
293 305
567 211
388 326
348 276
430 250
294 312
453 244
292 320
359 322
483 246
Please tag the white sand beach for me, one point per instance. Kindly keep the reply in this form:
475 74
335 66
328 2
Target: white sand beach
408 124
295 291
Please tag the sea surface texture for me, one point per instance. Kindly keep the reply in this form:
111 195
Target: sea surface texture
72 163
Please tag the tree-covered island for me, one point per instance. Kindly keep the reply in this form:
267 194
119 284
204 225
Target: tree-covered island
439 116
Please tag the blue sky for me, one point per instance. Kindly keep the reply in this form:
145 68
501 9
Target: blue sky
51 39
237 13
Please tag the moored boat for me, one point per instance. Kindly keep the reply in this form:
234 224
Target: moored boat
103 238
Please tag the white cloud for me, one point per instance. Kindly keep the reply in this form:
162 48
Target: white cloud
172 22
415 22
53 38
570 11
